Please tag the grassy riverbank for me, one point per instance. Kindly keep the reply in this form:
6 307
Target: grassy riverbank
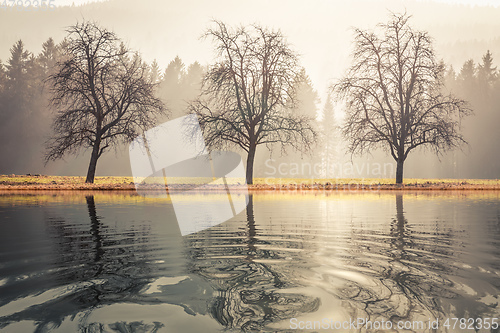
42 182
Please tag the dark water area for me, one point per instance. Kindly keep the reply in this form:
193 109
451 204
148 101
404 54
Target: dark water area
116 262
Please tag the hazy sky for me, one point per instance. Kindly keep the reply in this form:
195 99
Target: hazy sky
495 3
320 30
71 2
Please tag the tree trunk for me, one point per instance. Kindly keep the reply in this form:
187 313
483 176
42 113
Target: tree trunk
250 159
93 162
399 171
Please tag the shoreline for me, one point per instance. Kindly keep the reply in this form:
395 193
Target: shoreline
70 183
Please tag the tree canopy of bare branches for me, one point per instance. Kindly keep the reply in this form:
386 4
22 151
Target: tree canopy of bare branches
102 93
249 95
393 94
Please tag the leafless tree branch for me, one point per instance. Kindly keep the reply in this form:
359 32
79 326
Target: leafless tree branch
393 94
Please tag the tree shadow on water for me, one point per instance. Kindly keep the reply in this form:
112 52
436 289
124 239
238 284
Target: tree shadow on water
417 278
250 294
92 266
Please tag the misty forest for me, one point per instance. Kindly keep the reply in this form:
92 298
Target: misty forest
264 112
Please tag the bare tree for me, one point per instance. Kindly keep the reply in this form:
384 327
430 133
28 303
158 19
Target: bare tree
393 94
102 93
249 95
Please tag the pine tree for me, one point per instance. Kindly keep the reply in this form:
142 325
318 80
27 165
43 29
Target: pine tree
450 79
18 67
21 112
486 74
3 89
193 79
174 72
307 97
170 89
330 137
466 79
49 56
3 78
155 74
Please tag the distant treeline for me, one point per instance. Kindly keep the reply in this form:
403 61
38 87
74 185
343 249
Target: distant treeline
478 83
25 117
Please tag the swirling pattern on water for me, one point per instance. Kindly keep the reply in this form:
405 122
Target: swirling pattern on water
117 263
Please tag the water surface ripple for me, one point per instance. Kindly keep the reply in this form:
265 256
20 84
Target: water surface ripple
97 262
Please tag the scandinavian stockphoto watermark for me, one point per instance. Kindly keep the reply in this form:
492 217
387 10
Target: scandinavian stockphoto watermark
171 160
353 324
366 324
326 176
318 170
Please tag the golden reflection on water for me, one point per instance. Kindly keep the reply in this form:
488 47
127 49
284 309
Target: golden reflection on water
28 197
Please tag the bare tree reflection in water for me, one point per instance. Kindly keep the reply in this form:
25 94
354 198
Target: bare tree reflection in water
92 267
116 268
252 230
249 294
95 227
251 275
418 280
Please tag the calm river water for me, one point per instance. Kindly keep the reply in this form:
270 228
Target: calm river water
116 262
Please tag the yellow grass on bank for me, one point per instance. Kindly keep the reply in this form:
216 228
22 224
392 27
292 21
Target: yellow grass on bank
42 182
376 181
